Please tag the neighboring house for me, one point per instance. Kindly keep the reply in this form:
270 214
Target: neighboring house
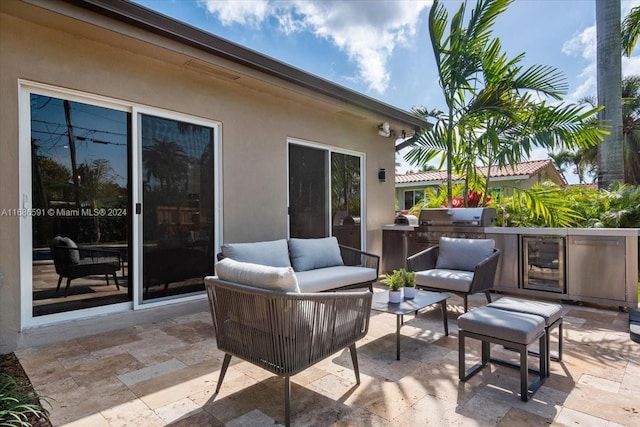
127 130
410 188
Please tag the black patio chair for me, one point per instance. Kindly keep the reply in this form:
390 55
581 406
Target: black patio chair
73 262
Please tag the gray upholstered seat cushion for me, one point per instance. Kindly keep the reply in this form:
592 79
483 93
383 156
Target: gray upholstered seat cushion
447 280
520 328
463 254
261 276
323 279
310 254
274 253
549 311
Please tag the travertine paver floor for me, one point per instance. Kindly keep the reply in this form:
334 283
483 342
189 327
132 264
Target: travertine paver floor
165 373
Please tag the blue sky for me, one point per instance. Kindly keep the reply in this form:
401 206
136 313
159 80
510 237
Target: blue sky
382 49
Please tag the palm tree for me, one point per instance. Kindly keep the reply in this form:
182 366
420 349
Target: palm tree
492 116
630 31
631 128
609 71
459 61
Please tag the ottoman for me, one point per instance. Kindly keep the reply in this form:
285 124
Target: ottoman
508 328
551 313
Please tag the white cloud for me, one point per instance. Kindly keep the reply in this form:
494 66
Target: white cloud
245 12
367 32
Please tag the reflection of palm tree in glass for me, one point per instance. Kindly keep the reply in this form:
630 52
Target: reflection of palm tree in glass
94 180
166 162
345 183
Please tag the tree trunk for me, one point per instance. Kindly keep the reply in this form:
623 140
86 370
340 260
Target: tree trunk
609 72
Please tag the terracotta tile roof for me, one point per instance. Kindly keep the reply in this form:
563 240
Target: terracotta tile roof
529 168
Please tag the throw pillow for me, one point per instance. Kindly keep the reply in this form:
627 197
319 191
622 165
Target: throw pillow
309 254
261 276
463 254
273 253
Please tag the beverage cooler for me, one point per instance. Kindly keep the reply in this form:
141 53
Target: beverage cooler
543 263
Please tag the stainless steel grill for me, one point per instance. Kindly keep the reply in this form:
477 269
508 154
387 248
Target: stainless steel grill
465 223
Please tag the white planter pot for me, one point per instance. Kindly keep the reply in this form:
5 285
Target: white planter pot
409 293
395 297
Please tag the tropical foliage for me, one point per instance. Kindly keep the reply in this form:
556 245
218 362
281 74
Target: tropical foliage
496 111
585 160
18 403
630 30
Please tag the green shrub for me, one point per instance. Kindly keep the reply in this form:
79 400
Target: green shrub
17 403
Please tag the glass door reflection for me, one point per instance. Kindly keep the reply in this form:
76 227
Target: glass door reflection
178 206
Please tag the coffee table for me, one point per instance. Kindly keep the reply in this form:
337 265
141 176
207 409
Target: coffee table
423 299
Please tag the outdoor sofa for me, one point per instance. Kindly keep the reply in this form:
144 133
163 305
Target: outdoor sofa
319 264
268 307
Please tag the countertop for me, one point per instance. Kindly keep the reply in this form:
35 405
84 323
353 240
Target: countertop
564 231
394 227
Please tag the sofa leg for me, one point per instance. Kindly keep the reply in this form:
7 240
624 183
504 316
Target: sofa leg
223 370
354 360
287 400
59 281
115 279
464 297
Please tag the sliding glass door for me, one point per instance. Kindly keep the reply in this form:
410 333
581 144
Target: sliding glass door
177 206
325 194
119 206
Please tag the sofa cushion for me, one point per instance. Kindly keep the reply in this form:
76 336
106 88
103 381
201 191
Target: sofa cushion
309 254
447 280
324 279
261 276
463 254
274 253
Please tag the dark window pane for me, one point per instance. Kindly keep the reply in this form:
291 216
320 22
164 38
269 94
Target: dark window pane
80 191
308 181
178 190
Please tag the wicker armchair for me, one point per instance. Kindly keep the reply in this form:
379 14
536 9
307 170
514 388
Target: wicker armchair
462 282
282 332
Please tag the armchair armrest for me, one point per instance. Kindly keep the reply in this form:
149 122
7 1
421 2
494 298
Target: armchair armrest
98 255
485 273
356 257
424 260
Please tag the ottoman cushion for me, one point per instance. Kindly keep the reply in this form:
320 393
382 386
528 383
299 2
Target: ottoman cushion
521 328
550 312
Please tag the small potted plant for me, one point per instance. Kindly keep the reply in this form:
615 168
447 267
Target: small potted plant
395 282
409 283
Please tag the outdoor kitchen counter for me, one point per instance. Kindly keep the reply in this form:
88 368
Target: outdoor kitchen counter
564 231
596 265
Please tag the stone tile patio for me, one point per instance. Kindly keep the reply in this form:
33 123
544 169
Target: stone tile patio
165 373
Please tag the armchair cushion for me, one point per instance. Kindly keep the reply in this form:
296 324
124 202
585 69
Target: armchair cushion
261 276
72 256
463 254
310 254
273 253
447 280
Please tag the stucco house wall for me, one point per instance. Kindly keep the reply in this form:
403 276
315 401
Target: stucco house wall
68 47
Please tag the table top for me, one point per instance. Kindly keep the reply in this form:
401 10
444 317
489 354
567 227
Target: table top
423 299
